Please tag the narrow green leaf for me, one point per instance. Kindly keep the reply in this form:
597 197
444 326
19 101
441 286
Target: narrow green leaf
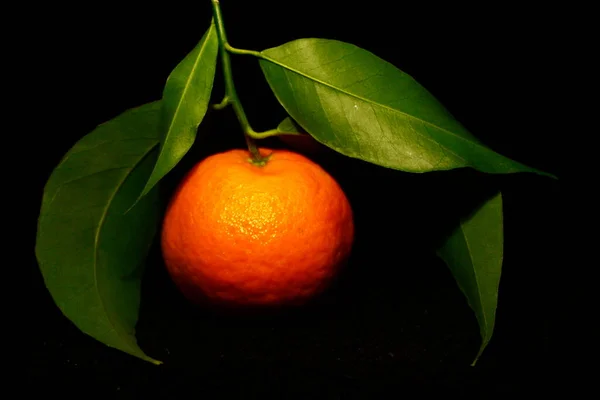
364 107
90 252
185 100
474 253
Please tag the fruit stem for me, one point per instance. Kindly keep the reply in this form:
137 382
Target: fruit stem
231 97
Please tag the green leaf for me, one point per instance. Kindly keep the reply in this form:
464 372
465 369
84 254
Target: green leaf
91 252
474 252
185 101
289 126
364 107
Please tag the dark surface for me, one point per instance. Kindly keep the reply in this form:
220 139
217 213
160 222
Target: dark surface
396 321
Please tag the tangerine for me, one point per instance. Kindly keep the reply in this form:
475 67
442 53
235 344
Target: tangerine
238 233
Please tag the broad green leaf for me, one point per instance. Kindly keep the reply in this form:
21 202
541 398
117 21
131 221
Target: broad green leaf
364 107
474 253
185 100
90 252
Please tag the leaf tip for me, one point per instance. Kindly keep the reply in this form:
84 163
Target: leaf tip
155 362
480 352
134 203
544 173
149 186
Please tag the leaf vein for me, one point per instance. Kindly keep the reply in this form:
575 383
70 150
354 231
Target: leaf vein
391 109
483 313
95 256
188 80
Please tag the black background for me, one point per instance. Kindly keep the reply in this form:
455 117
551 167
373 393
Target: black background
395 322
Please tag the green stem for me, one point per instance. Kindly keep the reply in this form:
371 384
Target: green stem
242 52
231 96
224 103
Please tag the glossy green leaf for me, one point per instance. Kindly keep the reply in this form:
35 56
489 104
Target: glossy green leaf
185 101
474 253
364 107
91 252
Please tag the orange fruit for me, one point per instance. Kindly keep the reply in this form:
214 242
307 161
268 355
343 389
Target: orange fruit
240 234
